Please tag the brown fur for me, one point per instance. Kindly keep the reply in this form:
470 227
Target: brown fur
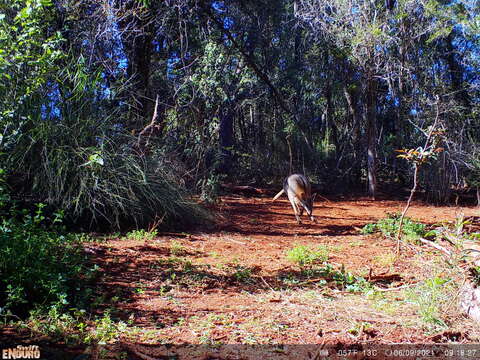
299 192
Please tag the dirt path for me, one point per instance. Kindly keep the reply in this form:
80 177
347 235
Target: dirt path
235 284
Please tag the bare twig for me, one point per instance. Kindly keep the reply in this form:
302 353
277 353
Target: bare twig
394 289
266 283
153 128
436 246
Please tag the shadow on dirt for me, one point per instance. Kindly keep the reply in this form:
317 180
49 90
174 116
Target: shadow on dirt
141 282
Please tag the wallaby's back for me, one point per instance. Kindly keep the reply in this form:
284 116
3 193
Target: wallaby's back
298 185
299 192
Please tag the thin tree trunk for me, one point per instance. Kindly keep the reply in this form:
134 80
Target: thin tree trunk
370 114
137 33
226 138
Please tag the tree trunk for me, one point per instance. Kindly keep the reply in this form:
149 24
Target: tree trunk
137 32
331 127
370 114
456 73
226 139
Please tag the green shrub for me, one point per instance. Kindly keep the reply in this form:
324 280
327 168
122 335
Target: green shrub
389 227
430 297
305 256
141 234
114 186
38 266
369 229
87 163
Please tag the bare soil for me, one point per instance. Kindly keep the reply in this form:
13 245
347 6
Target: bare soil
233 284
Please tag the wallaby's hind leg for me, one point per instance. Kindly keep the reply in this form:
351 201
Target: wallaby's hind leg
296 211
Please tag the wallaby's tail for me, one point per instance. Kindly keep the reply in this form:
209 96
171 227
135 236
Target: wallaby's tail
278 195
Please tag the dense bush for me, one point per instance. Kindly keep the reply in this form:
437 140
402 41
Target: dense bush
111 184
88 164
38 266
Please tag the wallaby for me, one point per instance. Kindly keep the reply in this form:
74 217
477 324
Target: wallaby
299 192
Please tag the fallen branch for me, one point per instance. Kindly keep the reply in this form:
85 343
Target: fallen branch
394 289
384 277
436 246
231 240
266 283
244 189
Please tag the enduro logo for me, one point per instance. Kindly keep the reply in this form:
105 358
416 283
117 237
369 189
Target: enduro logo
21 352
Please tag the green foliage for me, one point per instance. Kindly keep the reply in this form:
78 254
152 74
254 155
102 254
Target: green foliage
57 324
369 229
90 171
176 248
389 227
242 273
141 234
429 297
210 188
303 255
327 275
105 330
64 138
28 58
38 266
75 327
345 279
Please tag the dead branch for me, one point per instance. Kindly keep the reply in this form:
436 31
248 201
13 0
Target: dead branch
436 246
151 129
244 189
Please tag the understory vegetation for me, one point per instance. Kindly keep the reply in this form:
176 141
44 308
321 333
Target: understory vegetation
411 230
41 265
457 243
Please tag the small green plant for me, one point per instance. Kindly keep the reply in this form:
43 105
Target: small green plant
388 226
141 234
346 280
242 274
105 330
429 297
369 229
306 256
383 304
40 264
385 260
328 276
176 248
359 328
140 290
56 324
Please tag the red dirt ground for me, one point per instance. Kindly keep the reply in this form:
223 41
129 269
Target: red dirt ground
229 284
234 285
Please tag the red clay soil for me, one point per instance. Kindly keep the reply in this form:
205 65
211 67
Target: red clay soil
234 284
